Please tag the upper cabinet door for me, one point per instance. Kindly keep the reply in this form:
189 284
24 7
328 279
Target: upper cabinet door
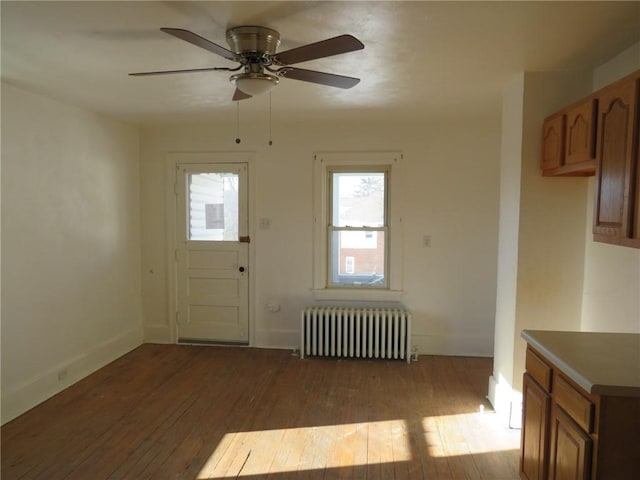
580 145
616 207
553 142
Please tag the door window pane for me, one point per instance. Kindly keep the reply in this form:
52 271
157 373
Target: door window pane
213 206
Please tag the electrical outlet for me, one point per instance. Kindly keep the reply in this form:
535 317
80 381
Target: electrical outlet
273 307
62 374
426 241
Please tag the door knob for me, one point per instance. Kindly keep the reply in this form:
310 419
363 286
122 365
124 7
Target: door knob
241 269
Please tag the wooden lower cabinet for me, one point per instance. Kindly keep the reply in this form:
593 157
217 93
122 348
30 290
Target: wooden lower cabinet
571 434
570 453
534 439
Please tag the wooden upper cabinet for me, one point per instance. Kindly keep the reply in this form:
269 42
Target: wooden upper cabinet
617 204
553 142
600 136
568 141
580 145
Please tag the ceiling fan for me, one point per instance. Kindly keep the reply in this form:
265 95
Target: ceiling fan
254 48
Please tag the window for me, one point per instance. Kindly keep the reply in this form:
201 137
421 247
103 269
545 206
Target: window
357 226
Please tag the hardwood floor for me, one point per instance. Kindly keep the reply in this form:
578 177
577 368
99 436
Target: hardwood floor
186 412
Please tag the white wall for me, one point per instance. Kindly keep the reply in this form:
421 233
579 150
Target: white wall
70 246
611 300
552 219
500 391
542 220
450 192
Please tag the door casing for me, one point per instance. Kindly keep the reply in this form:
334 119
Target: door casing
173 160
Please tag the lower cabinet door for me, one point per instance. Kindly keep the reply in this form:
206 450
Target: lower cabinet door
535 421
570 454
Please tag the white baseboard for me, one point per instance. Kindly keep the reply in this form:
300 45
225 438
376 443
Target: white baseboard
285 339
36 390
157 334
476 346
506 402
458 345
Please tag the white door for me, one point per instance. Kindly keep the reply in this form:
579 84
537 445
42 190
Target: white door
212 254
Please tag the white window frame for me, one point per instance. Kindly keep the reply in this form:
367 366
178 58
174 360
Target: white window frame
323 163
332 228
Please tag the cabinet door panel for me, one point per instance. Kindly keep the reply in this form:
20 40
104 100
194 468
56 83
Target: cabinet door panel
570 454
534 439
616 161
580 142
635 224
553 142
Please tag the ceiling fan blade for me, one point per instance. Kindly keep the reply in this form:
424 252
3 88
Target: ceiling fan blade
324 48
322 78
240 95
202 42
189 70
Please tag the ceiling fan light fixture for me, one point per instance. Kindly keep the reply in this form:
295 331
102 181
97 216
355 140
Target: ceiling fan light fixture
254 83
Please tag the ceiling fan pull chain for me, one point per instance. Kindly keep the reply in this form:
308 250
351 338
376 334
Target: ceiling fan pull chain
237 122
270 142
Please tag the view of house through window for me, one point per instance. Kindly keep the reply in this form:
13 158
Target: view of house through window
213 206
358 228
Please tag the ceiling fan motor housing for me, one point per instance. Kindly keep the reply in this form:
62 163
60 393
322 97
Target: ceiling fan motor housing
247 40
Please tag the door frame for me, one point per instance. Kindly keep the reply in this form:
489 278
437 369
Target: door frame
173 160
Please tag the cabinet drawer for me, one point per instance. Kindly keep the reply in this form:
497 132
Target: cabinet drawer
578 407
538 369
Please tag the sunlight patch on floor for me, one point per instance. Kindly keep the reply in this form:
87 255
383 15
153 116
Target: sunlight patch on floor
468 434
307 448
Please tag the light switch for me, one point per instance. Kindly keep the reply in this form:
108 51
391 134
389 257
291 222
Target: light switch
265 223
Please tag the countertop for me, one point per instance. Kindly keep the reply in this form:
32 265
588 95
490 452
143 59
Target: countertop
601 363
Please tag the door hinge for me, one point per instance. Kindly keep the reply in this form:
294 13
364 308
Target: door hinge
175 254
177 317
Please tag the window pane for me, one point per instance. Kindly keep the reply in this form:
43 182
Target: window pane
213 206
357 257
358 199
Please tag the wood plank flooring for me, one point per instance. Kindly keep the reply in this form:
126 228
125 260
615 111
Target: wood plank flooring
187 412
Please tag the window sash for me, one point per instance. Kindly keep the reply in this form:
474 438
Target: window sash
331 210
333 259
333 251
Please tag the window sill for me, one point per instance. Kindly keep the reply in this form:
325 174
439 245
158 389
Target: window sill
353 294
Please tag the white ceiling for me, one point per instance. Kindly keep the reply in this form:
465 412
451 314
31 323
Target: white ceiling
439 58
